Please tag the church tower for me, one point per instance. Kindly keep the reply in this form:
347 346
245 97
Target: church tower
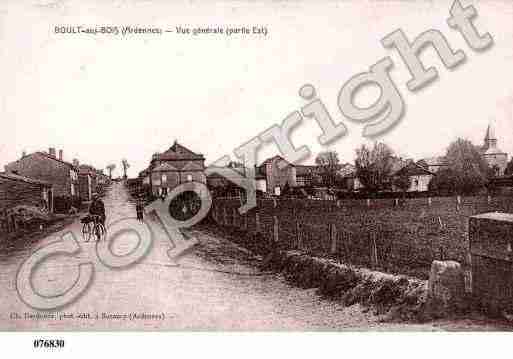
495 158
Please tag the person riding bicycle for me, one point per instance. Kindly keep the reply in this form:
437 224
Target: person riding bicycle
97 208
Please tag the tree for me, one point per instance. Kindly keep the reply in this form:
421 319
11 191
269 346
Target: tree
509 168
374 166
403 182
329 163
467 171
126 166
111 168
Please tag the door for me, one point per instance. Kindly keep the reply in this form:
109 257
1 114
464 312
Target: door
50 201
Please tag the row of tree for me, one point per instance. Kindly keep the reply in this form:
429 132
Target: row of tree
124 163
465 172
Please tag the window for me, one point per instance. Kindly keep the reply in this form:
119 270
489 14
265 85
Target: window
164 178
189 178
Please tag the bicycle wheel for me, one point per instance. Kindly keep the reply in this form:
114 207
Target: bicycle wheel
87 231
100 231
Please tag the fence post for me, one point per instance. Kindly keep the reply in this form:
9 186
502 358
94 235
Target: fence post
235 222
244 222
257 222
374 249
333 238
298 235
276 227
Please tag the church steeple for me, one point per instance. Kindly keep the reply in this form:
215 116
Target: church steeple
490 140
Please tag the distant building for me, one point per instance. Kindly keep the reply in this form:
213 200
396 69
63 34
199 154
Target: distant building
349 179
50 168
18 191
175 166
419 177
495 158
305 175
101 178
273 174
87 179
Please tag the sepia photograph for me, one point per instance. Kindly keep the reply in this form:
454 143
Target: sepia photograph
331 166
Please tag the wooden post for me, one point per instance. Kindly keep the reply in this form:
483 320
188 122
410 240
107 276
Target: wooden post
374 249
245 222
276 229
368 202
235 221
333 238
299 236
396 202
257 222
430 201
489 199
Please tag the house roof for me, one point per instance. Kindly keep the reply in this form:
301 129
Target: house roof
87 169
177 152
273 159
46 155
15 177
413 169
434 161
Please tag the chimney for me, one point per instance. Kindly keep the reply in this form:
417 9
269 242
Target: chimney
75 162
51 152
60 154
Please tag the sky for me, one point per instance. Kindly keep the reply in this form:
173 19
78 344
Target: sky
102 98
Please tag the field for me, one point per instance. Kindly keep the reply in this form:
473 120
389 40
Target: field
398 237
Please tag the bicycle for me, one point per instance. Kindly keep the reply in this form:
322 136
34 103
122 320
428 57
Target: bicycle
93 228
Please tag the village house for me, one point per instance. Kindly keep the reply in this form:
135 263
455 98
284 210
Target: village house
101 178
50 168
173 167
419 177
18 194
87 181
347 177
273 174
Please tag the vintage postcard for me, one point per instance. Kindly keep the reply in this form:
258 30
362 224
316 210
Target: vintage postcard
256 166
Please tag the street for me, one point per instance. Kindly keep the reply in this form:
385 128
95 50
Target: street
217 287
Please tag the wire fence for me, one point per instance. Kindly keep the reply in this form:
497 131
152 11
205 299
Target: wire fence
403 237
